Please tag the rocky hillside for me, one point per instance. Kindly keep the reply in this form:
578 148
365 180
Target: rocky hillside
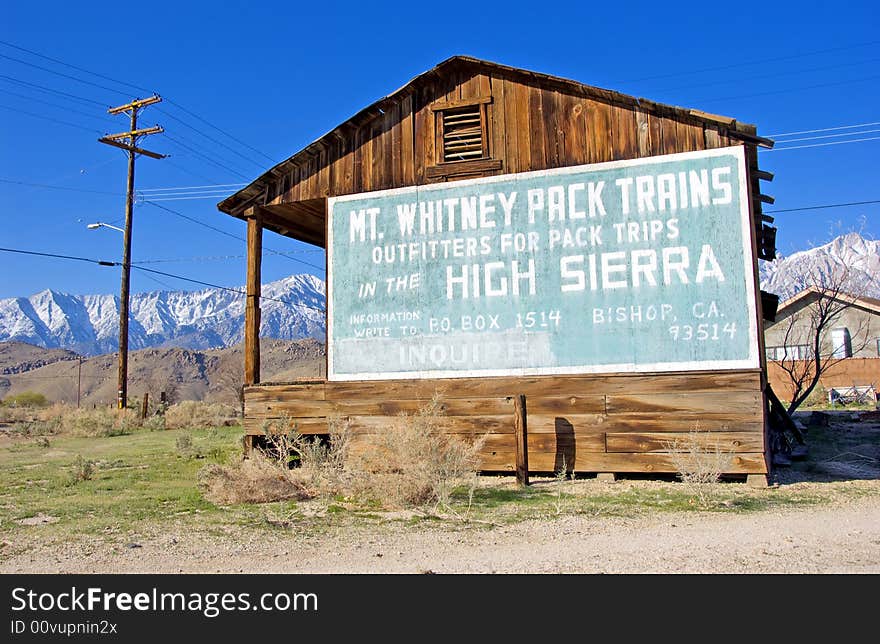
184 374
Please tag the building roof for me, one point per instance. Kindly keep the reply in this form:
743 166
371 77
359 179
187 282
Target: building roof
235 202
869 303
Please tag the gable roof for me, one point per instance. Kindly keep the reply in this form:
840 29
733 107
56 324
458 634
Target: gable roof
868 303
245 196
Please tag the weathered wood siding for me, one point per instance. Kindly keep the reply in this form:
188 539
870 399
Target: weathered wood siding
614 423
530 127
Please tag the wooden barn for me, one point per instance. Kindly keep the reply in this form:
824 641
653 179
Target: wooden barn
573 270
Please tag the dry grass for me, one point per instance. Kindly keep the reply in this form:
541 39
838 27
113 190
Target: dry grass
412 463
254 480
191 414
699 467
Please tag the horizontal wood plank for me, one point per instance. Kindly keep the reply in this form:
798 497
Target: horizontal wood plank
677 441
746 402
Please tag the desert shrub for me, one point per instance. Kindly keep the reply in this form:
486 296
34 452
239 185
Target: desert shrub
253 480
414 462
191 414
154 423
27 399
99 422
83 470
699 467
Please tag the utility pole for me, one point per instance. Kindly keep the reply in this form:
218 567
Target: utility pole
79 372
128 141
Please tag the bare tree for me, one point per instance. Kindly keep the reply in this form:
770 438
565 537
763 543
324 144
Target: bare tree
809 349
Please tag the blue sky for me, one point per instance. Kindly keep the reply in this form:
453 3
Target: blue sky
277 75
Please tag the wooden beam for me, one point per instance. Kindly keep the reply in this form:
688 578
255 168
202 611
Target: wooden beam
252 306
521 438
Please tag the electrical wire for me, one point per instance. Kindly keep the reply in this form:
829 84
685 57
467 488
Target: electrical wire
103 119
204 156
48 187
833 205
223 232
824 129
43 88
157 272
826 136
819 145
48 118
755 62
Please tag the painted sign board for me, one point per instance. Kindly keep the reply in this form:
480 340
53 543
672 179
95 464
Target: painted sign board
627 266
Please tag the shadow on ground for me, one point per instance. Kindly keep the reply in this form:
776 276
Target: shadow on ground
842 446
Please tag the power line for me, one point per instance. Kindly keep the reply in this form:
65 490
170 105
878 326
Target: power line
824 129
788 72
754 62
180 188
57 256
223 232
833 205
52 71
61 62
785 91
242 143
140 89
43 185
187 170
819 145
53 91
152 270
204 156
190 198
827 136
103 119
210 138
47 118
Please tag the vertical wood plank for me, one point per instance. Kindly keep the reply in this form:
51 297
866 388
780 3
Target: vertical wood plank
574 131
252 305
420 126
597 118
521 438
407 176
643 132
537 137
623 130
496 113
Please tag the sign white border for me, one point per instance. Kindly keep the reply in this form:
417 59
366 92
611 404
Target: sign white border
752 362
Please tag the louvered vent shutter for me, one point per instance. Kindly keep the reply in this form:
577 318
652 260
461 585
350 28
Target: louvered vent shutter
462 134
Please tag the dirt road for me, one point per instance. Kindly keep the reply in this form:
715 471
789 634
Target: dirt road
841 537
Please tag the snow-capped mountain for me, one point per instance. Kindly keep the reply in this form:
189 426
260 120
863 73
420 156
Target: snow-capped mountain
292 308
850 257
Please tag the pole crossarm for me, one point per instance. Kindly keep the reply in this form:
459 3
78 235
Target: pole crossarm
136 104
131 148
156 129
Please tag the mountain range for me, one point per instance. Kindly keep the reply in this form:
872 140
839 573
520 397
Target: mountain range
293 307
850 258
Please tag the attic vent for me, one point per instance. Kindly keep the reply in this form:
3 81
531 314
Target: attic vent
463 134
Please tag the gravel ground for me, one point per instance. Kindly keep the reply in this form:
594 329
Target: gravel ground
842 536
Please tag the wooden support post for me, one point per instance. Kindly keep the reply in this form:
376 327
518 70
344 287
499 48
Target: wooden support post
757 480
252 307
145 406
521 437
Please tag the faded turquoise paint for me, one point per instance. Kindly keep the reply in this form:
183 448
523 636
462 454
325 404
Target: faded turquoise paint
628 266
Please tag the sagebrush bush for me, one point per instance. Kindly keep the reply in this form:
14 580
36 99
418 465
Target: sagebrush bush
191 414
699 467
27 399
415 461
253 480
